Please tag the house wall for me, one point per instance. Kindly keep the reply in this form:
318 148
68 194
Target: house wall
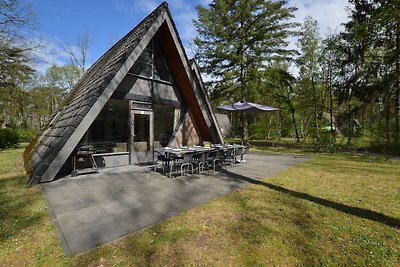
141 89
224 125
187 133
106 160
181 72
165 92
112 159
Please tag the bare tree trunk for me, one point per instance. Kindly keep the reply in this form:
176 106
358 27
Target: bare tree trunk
292 111
332 131
79 58
350 126
315 109
397 115
397 91
387 128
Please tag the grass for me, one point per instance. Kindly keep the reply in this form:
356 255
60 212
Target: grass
361 145
333 210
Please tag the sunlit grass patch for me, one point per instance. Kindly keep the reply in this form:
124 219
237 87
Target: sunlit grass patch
332 210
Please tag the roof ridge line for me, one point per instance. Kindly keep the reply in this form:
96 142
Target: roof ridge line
163 6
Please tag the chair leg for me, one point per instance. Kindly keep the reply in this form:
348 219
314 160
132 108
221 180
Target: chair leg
193 170
170 169
201 168
207 166
214 163
93 162
155 166
185 169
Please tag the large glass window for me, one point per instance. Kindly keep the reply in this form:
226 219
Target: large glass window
166 119
151 64
109 132
160 67
144 64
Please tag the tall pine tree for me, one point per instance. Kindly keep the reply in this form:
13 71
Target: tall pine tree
372 61
237 38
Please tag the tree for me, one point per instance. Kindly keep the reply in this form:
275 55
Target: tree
372 61
14 72
63 77
44 102
282 83
13 17
78 54
237 38
49 90
309 72
386 19
14 59
14 68
331 54
14 62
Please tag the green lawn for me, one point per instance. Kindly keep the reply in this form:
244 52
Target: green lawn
333 210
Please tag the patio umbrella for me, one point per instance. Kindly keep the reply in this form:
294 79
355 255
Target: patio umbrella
245 107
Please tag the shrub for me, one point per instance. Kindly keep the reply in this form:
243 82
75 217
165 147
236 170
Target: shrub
257 131
8 138
25 135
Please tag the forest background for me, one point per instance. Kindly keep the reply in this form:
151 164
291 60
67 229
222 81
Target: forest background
345 87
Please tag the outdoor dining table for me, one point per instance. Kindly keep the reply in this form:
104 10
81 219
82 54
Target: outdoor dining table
173 154
232 151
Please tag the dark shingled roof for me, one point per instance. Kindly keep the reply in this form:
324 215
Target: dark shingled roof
43 150
45 156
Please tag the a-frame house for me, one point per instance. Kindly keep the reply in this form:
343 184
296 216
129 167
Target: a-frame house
143 93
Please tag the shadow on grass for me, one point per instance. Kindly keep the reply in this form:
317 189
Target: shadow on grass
359 212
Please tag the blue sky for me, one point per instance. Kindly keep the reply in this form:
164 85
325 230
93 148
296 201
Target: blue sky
60 22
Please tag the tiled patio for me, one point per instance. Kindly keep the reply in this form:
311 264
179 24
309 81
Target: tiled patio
94 209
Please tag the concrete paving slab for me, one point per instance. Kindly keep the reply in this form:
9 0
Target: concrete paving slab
122 205
95 209
223 189
138 218
83 216
172 207
62 205
104 189
199 196
89 236
63 191
153 197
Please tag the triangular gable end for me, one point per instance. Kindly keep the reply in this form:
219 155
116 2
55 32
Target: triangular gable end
45 156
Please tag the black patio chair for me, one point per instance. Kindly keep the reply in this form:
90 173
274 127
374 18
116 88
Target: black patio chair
238 152
214 157
228 157
159 159
184 163
245 154
200 160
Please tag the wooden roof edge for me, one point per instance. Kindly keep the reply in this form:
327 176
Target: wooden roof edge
163 6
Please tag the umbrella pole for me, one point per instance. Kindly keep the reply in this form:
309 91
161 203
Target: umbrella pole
245 130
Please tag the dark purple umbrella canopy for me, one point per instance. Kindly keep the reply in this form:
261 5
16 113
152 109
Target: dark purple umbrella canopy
247 107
